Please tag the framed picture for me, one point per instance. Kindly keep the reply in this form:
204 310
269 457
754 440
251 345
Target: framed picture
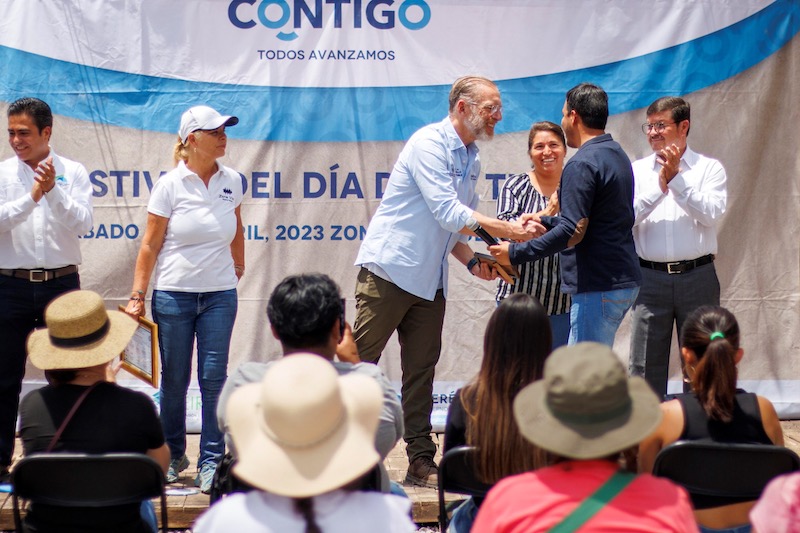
140 357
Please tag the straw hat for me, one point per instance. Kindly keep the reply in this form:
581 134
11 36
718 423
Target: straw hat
586 407
304 430
80 333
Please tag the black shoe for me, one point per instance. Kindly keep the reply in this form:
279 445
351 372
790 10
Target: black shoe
5 475
423 472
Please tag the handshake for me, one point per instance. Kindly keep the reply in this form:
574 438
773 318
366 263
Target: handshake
527 227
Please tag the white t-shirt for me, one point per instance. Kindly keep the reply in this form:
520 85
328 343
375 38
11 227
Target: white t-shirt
196 254
335 512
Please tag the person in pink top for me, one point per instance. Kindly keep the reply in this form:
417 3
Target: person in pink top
778 509
588 414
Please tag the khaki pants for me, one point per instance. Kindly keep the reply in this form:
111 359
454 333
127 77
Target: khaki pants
381 308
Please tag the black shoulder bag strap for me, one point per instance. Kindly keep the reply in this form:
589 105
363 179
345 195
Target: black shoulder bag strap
69 416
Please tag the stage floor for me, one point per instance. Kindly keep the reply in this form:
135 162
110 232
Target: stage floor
183 510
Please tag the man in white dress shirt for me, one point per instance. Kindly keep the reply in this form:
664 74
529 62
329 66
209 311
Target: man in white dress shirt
679 198
45 206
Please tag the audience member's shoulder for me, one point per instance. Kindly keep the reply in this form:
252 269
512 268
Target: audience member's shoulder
249 372
778 509
389 501
388 508
123 393
369 369
217 517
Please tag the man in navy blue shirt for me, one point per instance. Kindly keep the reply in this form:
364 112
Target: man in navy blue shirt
599 266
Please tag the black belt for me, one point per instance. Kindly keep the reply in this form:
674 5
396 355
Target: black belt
678 267
39 274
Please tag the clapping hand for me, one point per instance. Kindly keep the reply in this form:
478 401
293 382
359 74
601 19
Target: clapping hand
670 160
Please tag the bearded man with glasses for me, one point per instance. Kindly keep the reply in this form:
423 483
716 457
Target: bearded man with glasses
426 214
679 199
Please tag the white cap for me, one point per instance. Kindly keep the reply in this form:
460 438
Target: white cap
202 117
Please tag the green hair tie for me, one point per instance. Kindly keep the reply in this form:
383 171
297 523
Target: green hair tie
717 335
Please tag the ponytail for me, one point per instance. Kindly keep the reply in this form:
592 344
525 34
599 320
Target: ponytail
180 152
715 380
712 333
305 507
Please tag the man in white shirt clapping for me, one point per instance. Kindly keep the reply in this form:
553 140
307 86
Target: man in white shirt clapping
45 206
679 198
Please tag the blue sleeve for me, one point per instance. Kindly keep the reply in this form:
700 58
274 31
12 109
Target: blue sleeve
427 166
576 195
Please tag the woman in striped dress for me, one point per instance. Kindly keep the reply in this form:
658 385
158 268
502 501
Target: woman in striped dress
536 191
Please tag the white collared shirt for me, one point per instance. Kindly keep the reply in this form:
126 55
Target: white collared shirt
44 234
196 254
681 224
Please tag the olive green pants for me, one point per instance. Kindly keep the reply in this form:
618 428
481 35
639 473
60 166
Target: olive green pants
383 308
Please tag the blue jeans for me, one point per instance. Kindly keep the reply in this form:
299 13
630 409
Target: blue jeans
559 324
745 528
463 517
148 513
182 316
595 316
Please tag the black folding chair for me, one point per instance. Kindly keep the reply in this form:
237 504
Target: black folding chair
83 480
457 474
723 472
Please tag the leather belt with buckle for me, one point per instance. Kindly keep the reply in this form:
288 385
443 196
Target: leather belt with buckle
678 267
39 275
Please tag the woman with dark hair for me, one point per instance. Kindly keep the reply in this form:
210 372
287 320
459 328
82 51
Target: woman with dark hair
536 191
517 341
83 410
715 409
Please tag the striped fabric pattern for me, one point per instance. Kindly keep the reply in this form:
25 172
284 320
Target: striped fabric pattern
542 278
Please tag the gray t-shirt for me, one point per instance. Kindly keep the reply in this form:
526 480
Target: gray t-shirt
390 425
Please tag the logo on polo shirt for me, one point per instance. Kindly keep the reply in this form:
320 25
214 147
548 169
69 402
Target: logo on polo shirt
226 195
61 180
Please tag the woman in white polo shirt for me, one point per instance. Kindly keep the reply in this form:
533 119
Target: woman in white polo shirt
194 240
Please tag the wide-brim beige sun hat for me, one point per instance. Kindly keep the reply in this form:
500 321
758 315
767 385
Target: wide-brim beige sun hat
80 333
304 430
586 406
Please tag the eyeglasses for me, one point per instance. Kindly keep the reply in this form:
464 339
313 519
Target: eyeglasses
214 133
659 127
492 109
